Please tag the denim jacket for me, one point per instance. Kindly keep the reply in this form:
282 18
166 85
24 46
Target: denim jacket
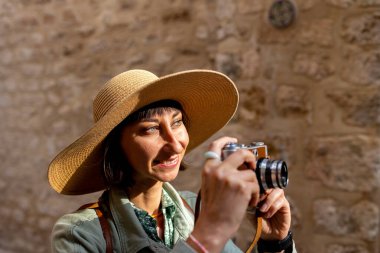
81 232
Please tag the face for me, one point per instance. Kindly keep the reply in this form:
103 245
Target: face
155 146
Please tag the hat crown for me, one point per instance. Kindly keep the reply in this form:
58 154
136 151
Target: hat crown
119 88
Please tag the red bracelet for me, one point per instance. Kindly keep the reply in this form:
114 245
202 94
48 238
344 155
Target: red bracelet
200 245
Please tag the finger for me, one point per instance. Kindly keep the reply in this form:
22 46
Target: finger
275 207
236 183
246 178
271 198
240 157
265 194
216 147
242 175
255 196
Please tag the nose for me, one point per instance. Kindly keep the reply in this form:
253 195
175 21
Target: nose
172 142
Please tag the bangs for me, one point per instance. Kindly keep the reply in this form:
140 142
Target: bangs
156 108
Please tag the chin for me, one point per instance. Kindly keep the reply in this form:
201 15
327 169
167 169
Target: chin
168 177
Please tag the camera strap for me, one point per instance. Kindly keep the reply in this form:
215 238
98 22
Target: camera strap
259 226
106 230
259 223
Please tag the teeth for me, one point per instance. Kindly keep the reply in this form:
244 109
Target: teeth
169 162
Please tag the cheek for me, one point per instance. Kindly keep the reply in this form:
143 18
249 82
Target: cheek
132 150
184 137
137 153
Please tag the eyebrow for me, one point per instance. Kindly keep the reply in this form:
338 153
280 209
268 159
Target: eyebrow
175 114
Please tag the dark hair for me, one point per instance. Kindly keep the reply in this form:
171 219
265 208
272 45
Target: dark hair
116 168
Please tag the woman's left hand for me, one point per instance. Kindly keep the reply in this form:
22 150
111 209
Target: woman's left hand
275 211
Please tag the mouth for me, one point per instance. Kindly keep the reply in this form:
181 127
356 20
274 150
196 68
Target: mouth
169 163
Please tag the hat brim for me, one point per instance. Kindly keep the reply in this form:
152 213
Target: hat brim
208 98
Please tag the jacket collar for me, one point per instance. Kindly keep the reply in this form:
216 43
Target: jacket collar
131 234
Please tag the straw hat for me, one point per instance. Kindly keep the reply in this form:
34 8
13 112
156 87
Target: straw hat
208 98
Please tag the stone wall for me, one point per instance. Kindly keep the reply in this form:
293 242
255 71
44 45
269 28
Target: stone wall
310 91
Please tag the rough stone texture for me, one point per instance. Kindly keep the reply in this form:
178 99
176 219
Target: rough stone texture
350 3
363 29
341 3
358 221
252 106
368 3
360 107
316 66
337 248
318 32
358 171
361 67
310 92
292 100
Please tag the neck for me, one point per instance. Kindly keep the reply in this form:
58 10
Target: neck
145 197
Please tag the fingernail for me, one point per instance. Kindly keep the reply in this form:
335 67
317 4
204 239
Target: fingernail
263 208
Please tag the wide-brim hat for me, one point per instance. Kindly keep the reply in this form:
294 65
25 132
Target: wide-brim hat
208 98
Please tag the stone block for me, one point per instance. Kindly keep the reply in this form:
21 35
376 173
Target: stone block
176 14
31 69
360 221
348 163
7 57
316 66
252 107
281 147
360 107
363 29
292 100
271 35
225 9
6 100
225 31
361 66
229 64
250 63
341 3
296 213
319 32
24 54
27 22
248 6
368 3
352 3
202 32
346 248
305 4
162 56
69 17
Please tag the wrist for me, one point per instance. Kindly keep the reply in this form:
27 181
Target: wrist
212 235
196 245
284 245
210 239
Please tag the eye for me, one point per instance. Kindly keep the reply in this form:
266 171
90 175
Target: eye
150 130
177 123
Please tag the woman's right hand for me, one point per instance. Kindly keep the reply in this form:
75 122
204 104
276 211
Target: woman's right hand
228 188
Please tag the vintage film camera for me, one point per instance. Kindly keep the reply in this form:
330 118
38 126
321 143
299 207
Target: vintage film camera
269 173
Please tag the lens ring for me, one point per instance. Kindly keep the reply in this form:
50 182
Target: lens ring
261 166
284 179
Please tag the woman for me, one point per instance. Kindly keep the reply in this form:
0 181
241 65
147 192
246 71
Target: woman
143 127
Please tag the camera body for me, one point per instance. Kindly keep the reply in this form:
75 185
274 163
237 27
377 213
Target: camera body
269 173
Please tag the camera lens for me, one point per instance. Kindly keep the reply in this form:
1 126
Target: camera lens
271 174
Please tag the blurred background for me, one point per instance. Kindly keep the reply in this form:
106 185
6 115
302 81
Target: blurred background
308 74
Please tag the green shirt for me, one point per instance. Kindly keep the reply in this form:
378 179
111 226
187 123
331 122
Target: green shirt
150 225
